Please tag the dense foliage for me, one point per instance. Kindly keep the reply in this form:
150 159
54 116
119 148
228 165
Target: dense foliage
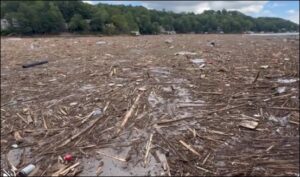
45 17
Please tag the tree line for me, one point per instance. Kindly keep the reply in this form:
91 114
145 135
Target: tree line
53 17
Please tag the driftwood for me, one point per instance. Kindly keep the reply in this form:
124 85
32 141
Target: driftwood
114 157
189 147
129 113
148 147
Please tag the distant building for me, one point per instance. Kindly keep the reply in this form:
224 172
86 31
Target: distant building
163 31
4 24
135 33
248 32
170 32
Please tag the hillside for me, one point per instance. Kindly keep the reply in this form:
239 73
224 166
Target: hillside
46 17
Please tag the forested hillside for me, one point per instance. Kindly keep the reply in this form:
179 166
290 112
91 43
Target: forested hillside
53 17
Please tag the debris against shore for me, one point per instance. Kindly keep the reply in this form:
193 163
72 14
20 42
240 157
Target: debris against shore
129 106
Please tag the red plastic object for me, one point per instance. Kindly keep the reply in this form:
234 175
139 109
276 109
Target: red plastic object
68 157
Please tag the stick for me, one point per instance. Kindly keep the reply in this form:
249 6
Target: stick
172 121
45 124
63 171
205 159
281 96
208 113
128 114
189 147
59 100
219 132
203 137
22 118
66 171
256 77
148 147
203 169
87 117
211 93
106 106
117 158
284 108
182 105
99 171
80 133
226 109
293 122
172 147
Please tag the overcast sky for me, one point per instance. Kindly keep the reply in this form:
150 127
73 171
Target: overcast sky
284 9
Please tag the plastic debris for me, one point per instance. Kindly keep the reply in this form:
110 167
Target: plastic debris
100 42
27 170
281 89
287 81
249 124
97 112
68 157
142 89
34 64
264 66
73 104
14 146
198 61
185 53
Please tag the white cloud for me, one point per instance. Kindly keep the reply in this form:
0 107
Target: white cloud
293 15
247 7
90 2
291 11
110 2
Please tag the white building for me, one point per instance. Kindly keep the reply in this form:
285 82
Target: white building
4 24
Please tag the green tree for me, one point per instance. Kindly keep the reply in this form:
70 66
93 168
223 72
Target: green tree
78 24
99 19
120 23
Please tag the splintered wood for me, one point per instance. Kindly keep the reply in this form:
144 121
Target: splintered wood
148 147
130 106
129 113
189 147
111 156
